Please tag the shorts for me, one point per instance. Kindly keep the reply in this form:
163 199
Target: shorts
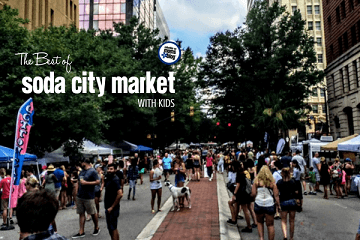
189 166
112 219
302 176
87 205
311 185
5 203
288 205
98 194
196 166
264 210
166 171
317 176
57 192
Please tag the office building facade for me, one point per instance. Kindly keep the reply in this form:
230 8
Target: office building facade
45 13
105 12
342 31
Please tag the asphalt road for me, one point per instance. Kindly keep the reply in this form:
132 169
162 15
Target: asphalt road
336 219
134 216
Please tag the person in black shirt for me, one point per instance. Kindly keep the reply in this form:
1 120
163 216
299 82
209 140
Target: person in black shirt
113 194
120 173
285 160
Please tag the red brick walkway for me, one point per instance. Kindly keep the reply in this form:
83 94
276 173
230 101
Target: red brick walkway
199 222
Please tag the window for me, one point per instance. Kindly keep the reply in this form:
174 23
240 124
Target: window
351 2
355 69
320 58
67 7
315 108
123 8
309 9
71 10
40 13
353 35
322 92
347 77
310 25
343 10
46 13
318 26
340 45
342 79
52 17
346 44
33 17
75 11
349 114
323 108
314 92
333 83
293 9
329 22
318 41
337 14
317 9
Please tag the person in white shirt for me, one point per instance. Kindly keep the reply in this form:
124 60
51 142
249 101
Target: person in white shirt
302 165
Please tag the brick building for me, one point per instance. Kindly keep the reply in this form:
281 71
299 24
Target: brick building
342 41
46 12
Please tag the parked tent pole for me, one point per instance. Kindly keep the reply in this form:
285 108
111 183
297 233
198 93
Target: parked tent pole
37 166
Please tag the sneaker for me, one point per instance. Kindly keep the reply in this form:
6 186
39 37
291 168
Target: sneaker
11 221
240 217
96 232
319 191
78 235
230 222
254 225
248 230
305 192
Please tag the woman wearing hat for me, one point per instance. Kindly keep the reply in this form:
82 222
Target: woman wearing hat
50 179
324 176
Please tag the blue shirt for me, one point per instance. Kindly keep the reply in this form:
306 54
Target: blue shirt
87 191
167 163
315 162
296 174
59 174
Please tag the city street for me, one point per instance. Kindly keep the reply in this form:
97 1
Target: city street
134 215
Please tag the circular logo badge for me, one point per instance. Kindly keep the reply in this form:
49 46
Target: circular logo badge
169 53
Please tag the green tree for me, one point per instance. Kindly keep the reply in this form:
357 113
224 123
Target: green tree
264 69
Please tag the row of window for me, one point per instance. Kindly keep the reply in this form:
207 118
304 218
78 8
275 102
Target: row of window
37 16
340 11
343 41
309 9
345 78
317 25
315 92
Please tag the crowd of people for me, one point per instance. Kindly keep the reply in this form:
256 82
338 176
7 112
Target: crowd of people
264 186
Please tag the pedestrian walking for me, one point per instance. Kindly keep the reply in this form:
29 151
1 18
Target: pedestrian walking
98 189
197 163
64 186
317 166
336 173
36 210
220 165
209 166
50 179
189 166
59 174
297 178
324 176
312 181
74 181
88 179
302 165
287 191
32 185
266 200
166 166
155 185
133 174
113 195
348 168
5 186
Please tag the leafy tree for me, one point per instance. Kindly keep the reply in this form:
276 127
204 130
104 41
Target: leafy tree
264 70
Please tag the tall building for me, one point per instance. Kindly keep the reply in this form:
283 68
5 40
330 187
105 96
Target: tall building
46 12
105 12
342 31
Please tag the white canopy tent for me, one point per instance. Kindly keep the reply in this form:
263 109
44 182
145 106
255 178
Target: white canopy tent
352 145
93 149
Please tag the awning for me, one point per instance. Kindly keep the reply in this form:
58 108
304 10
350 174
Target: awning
6 154
352 145
333 146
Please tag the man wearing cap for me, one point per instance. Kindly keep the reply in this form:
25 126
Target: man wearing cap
317 167
302 165
85 198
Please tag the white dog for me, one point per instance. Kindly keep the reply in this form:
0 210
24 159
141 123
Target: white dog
177 192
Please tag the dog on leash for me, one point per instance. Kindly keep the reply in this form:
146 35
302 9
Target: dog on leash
178 192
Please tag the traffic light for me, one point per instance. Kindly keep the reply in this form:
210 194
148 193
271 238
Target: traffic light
173 116
218 123
191 111
229 124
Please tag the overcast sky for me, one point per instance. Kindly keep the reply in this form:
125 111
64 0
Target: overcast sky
195 21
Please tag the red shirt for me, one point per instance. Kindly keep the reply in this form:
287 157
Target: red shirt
209 162
5 185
